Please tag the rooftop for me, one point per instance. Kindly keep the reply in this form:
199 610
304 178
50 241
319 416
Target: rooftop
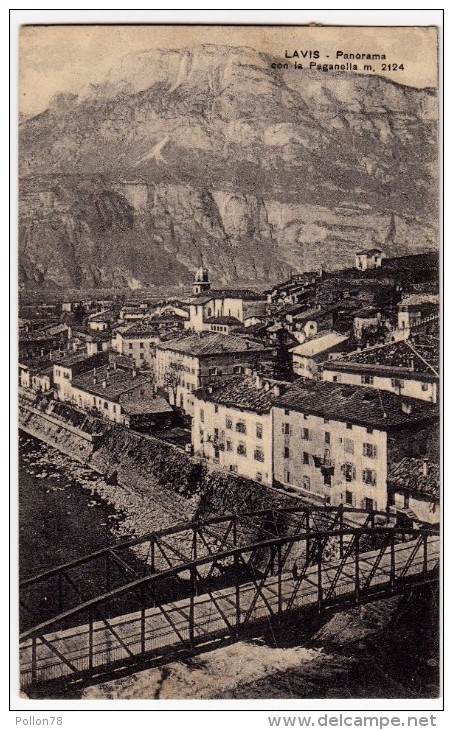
146 405
355 404
224 320
117 382
210 343
241 393
369 252
324 341
422 358
80 362
408 475
134 331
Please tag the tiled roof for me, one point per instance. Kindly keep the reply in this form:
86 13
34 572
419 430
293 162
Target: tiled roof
79 362
408 475
224 320
210 343
146 405
136 331
402 356
118 382
355 404
245 294
239 392
369 252
324 341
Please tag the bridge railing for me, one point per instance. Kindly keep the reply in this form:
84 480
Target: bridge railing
363 563
66 586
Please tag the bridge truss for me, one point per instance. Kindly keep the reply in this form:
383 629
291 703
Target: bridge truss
185 587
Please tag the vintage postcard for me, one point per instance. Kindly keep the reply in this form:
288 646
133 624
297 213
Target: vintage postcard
229 472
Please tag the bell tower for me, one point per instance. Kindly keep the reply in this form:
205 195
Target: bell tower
201 283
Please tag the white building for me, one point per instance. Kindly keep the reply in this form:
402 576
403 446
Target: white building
308 356
232 425
184 365
335 443
398 367
368 259
138 341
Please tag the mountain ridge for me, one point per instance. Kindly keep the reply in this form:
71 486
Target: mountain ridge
259 171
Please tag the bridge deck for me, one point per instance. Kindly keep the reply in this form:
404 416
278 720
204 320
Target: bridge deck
193 620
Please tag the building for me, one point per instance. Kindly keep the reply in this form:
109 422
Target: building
206 305
414 489
66 368
335 443
184 365
232 425
138 341
309 356
397 367
307 323
121 396
368 259
415 309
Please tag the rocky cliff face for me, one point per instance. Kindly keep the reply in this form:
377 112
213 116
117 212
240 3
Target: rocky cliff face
208 150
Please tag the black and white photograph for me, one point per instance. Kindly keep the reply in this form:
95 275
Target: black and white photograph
228 362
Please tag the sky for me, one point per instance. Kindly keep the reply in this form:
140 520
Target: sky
55 59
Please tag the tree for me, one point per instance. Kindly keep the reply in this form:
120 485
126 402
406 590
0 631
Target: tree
172 379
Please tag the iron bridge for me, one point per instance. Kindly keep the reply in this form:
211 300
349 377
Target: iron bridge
156 597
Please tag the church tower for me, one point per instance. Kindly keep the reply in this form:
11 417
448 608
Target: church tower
201 283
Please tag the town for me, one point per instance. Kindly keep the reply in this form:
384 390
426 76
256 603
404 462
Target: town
324 386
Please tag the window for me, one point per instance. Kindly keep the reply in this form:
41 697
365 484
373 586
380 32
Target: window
130 345
229 423
349 425
425 386
305 458
234 468
238 369
106 405
287 477
306 482
348 471
242 449
114 409
202 415
286 452
259 430
367 379
259 476
240 427
397 383
336 379
142 345
286 411
327 437
213 371
305 434
368 504
258 455
142 355
229 446
216 409
349 498
286 429
216 433
370 451
349 446
369 477
369 430
326 420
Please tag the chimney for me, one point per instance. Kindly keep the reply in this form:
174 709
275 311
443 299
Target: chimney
134 372
104 383
406 407
247 344
277 390
425 467
95 380
258 381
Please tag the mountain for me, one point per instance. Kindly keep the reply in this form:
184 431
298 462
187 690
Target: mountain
208 150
